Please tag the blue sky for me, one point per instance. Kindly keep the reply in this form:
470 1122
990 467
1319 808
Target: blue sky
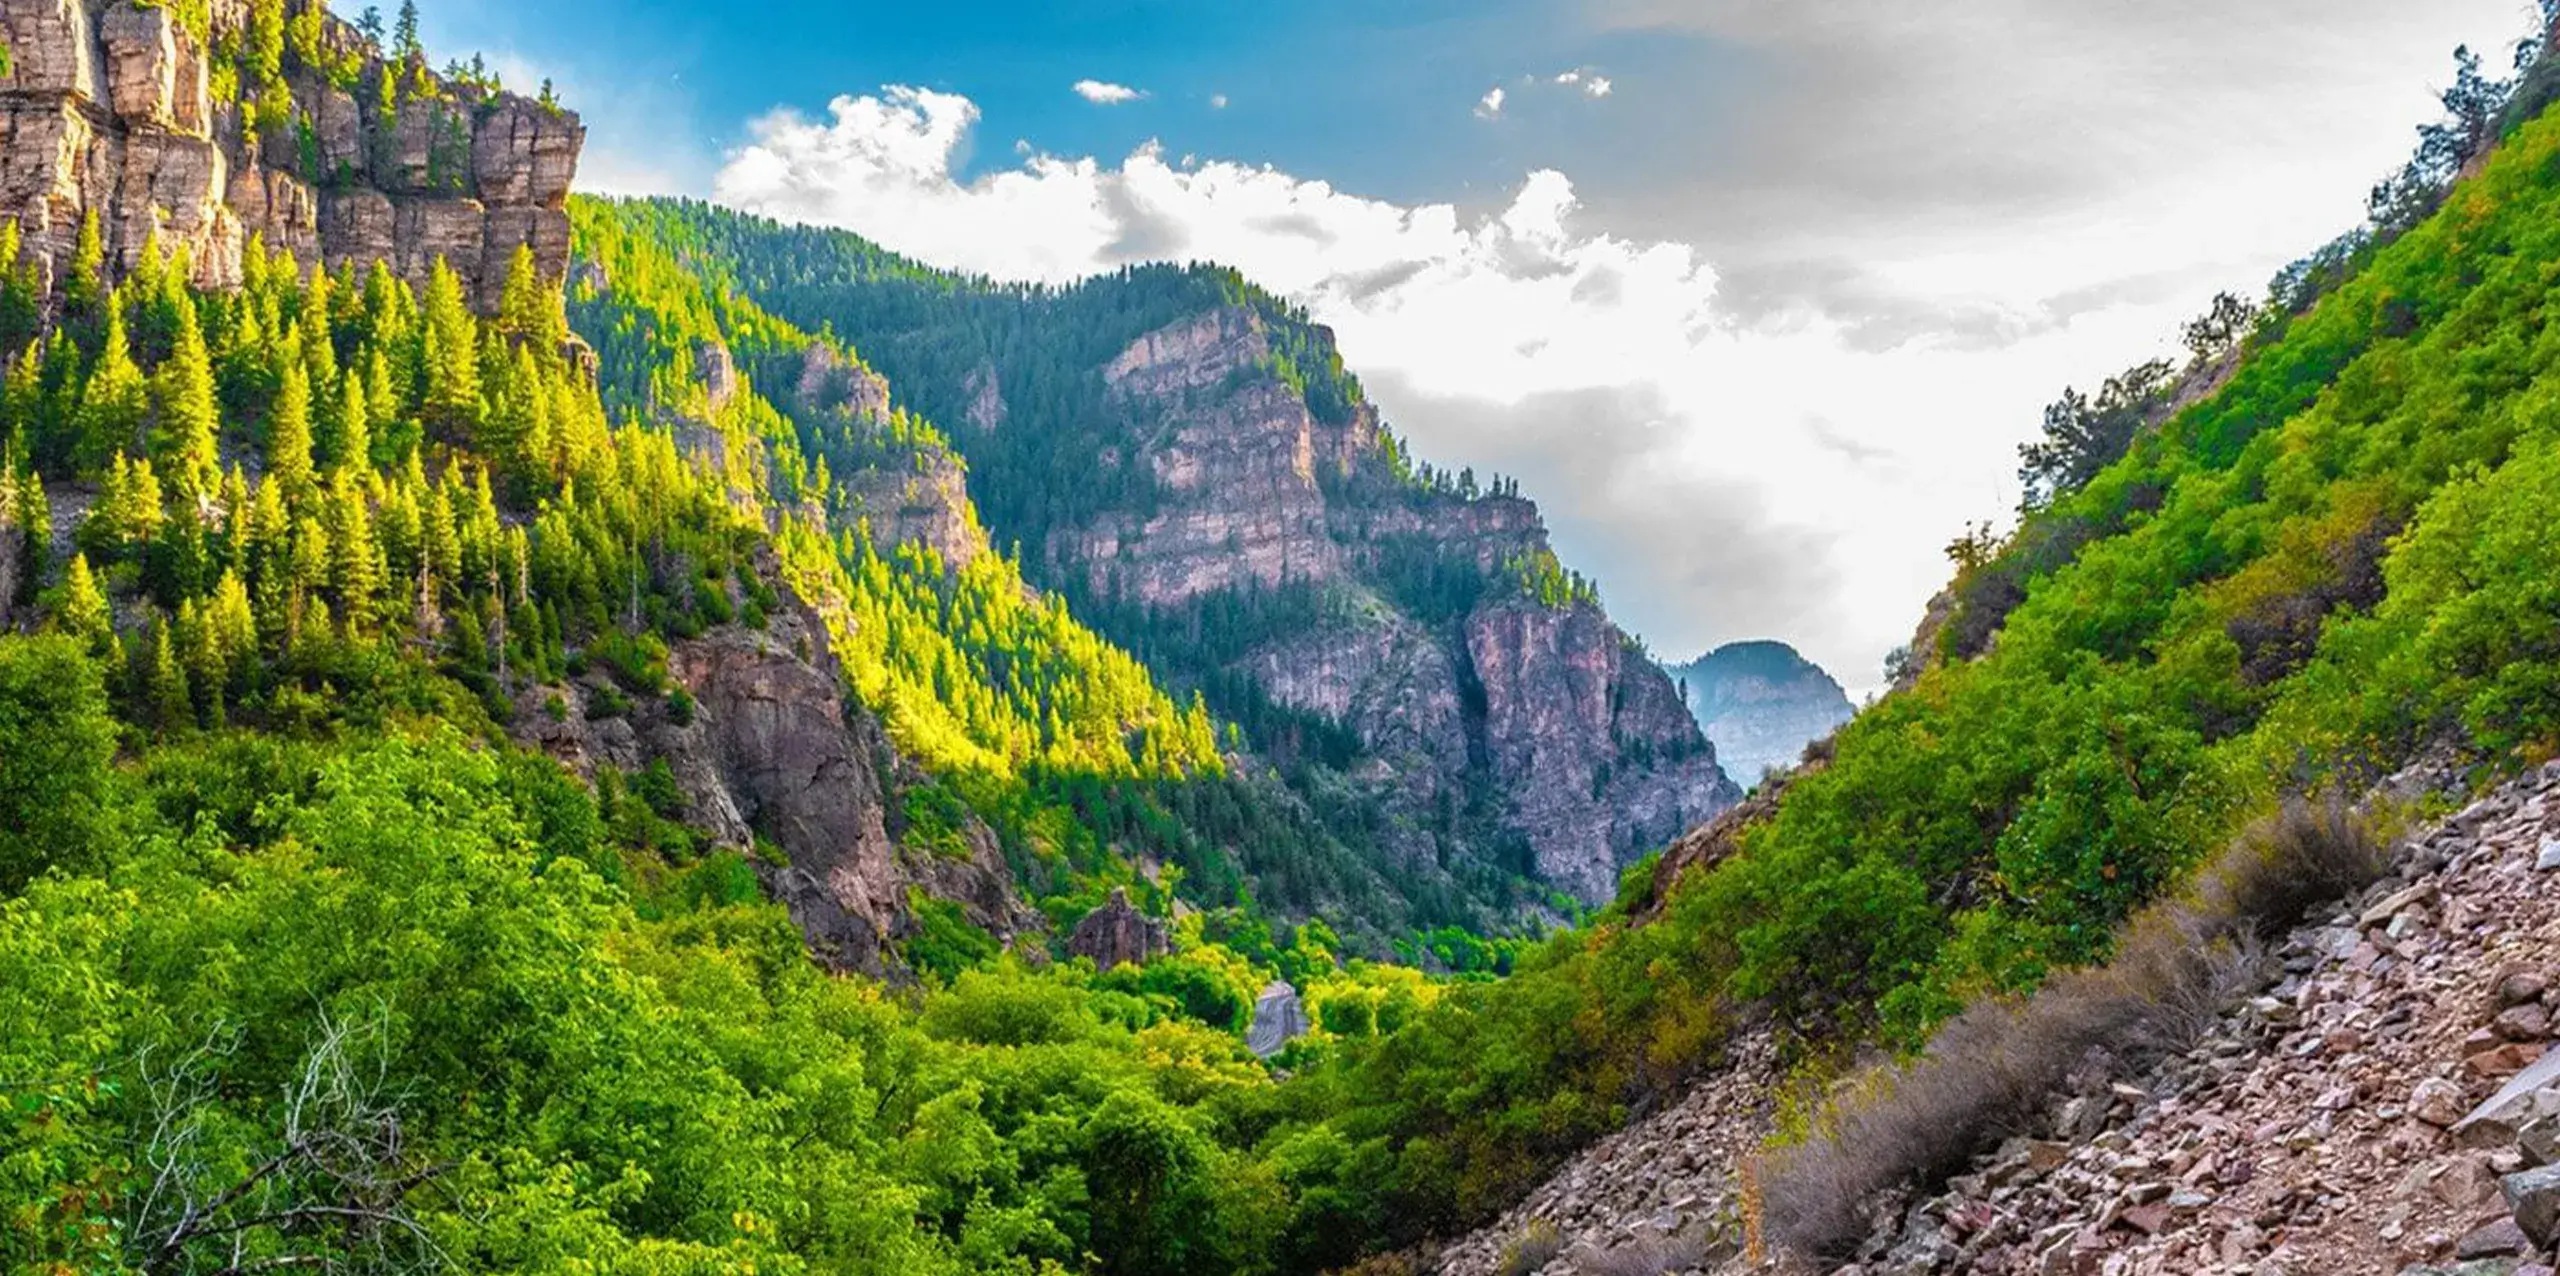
1756 297
1377 97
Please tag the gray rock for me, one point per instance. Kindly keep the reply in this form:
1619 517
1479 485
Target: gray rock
2534 1197
1117 934
2501 1239
1278 1018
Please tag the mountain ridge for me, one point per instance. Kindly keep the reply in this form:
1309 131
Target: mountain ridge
1246 494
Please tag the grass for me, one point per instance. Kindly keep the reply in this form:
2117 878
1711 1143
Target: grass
1992 1071
1537 1245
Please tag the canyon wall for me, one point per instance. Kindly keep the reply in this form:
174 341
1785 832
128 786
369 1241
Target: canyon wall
125 112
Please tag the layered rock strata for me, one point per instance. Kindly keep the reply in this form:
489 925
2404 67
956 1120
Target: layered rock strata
1550 713
118 110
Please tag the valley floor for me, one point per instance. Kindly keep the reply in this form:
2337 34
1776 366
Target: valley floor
2360 1113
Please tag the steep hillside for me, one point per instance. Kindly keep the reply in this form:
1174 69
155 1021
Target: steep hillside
1016 734
313 547
2317 559
1760 704
1399 641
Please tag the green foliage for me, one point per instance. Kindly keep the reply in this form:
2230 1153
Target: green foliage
54 784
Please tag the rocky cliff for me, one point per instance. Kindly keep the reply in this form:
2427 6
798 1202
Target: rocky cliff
1184 459
1547 714
159 128
770 751
1761 703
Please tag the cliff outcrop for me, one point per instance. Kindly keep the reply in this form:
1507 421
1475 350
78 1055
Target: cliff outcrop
1600 761
132 114
1117 934
769 752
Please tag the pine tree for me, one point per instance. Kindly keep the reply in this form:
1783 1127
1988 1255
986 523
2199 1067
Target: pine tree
352 439
171 704
233 624
35 523
405 44
85 291
113 405
21 295
22 400
289 435
450 351
83 611
355 559
530 312
188 422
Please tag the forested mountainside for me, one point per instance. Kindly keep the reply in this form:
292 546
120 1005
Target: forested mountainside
1760 704
451 693
1396 641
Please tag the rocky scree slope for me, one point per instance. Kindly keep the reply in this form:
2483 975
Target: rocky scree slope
2381 1102
2380 1106
118 111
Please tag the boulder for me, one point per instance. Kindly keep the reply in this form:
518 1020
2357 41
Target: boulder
1117 934
1278 1018
2534 1198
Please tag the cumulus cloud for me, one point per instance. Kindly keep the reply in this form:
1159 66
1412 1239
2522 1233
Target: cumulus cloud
1592 85
1722 480
1105 93
1767 423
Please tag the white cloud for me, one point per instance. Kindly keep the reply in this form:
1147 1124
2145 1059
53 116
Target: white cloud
1708 471
1217 101
1105 93
1729 458
1490 105
1591 83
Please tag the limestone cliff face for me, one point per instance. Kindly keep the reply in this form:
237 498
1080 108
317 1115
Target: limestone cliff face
110 107
1576 743
1761 703
1239 462
1602 762
926 504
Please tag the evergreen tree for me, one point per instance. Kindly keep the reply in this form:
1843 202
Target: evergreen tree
188 423
355 559
84 291
82 611
451 353
113 404
35 523
21 295
171 705
289 434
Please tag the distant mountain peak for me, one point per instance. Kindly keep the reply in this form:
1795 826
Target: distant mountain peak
1760 703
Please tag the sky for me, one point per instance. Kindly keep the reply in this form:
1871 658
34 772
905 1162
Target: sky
1756 298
